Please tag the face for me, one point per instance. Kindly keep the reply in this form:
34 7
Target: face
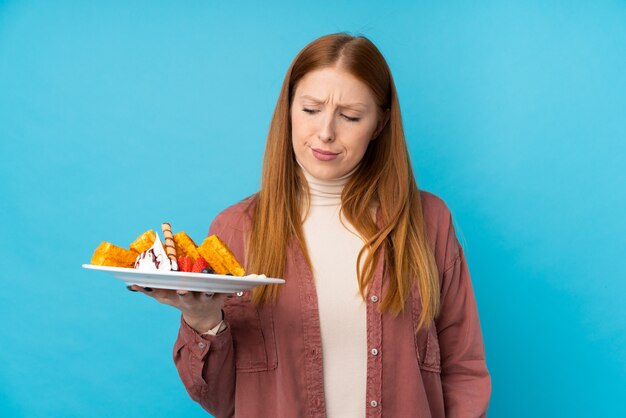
334 117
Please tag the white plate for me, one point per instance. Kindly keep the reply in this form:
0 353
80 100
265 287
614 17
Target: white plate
200 282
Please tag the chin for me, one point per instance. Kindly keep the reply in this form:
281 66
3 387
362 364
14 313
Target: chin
323 170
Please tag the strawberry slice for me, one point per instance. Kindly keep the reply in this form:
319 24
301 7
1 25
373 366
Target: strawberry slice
199 265
185 263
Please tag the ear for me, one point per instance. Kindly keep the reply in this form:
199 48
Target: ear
382 122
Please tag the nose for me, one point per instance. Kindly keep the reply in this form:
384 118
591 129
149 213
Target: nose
327 129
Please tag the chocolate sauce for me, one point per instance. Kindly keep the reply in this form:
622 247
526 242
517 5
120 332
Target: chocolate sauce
152 255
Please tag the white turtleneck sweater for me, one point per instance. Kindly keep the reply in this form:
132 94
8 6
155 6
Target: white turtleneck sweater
333 248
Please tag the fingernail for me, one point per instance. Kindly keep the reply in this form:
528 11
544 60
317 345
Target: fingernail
147 289
130 288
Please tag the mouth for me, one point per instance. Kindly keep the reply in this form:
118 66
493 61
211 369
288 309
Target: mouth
324 155
321 151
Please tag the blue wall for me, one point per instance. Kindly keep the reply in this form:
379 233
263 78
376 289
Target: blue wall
116 116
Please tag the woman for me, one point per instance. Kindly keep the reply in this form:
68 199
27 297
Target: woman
377 315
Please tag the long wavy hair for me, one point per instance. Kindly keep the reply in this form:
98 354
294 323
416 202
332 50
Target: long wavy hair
384 177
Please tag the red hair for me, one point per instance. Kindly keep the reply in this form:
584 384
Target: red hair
384 177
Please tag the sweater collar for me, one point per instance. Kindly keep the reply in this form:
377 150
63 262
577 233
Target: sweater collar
325 192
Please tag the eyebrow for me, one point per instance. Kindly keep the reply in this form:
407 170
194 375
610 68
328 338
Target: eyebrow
348 105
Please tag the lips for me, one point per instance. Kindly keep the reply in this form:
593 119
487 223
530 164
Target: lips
324 155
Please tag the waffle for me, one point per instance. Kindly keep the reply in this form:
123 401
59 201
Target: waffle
185 246
221 259
213 258
143 241
108 254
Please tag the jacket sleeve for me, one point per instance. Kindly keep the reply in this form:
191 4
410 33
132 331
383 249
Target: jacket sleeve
206 363
464 375
206 367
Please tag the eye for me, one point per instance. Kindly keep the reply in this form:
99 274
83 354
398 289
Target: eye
351 119
309 111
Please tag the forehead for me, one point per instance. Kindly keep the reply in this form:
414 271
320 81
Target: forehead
333 84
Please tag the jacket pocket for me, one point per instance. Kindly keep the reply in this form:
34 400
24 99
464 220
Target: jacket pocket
252 329
426 341
427 349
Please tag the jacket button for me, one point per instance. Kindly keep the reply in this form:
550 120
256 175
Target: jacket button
374 352
374 404
374 298
201 345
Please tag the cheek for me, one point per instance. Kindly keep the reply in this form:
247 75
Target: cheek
297 129
362 147
360 141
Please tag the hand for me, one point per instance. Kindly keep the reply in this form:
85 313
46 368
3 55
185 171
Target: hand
201 311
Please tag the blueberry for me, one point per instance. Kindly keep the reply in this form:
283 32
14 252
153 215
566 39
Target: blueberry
208 271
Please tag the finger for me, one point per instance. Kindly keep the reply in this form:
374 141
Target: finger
148 291
164 296
167 296
220 297
137 288
161 295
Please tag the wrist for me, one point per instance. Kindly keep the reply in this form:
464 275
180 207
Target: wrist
203 324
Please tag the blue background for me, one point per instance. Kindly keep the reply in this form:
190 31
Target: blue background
115 116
